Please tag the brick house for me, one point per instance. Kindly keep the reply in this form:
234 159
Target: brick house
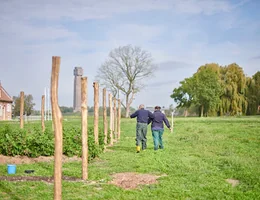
5 105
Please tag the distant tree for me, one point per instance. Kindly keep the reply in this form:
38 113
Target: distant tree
91 109
28 105
183 95
203 89
125 71
65 109
218 90
206 89
168 111
233 100
253 93
36 112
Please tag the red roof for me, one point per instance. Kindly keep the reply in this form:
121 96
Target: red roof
4 96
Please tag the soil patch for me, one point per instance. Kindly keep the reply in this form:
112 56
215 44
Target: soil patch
27 160
130 180
37 178
233 182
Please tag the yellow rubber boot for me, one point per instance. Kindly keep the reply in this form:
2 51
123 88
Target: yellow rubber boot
138 148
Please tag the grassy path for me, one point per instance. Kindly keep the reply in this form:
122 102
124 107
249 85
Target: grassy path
198 158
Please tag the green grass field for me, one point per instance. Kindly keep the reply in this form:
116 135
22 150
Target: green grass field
199 156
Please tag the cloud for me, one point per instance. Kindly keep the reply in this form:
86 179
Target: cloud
241 3
135 33
255 58
92 9
25 31
207 7
173 65
161 83
75 9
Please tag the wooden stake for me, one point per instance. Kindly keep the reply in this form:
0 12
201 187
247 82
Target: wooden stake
96 107
21 109
105 115
111 119
119 119
115 119
42 113
84 127
172 123
57 122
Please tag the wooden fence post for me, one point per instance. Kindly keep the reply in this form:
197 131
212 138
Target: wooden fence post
105 115
115 119
96 108
119 119
84 127
57 121
21 109
172 123
42 113
111 119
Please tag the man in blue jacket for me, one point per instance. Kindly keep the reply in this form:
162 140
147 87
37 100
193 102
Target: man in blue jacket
157 127
141 126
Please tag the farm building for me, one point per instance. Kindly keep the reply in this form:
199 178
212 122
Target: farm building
5 104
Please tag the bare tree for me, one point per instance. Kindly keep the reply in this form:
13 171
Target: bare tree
124 72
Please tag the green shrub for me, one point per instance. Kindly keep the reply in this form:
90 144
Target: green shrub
33 142
40 144
12 141
72 142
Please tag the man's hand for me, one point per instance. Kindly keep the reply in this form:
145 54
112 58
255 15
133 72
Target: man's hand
170 129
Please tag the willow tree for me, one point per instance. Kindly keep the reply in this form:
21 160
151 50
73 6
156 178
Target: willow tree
125 72
233 100
206 88
253 93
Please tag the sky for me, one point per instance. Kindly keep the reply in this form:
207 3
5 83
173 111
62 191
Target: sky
181 35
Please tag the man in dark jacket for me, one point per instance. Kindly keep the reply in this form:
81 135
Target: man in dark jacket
141 126
157 127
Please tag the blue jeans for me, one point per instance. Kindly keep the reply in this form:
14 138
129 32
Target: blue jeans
157 139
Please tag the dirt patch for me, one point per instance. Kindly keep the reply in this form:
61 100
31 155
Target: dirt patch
50 180
130 180
233 182
37 178
27 160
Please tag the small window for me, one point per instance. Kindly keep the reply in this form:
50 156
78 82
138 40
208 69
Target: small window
8 108
1 110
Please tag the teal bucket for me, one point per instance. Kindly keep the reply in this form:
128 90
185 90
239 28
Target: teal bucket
11 169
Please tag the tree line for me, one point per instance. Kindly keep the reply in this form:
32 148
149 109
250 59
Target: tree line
65 110
213 90
216 90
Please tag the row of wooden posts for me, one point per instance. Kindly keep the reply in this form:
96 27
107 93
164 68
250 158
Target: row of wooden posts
114 126
114 105
115 112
